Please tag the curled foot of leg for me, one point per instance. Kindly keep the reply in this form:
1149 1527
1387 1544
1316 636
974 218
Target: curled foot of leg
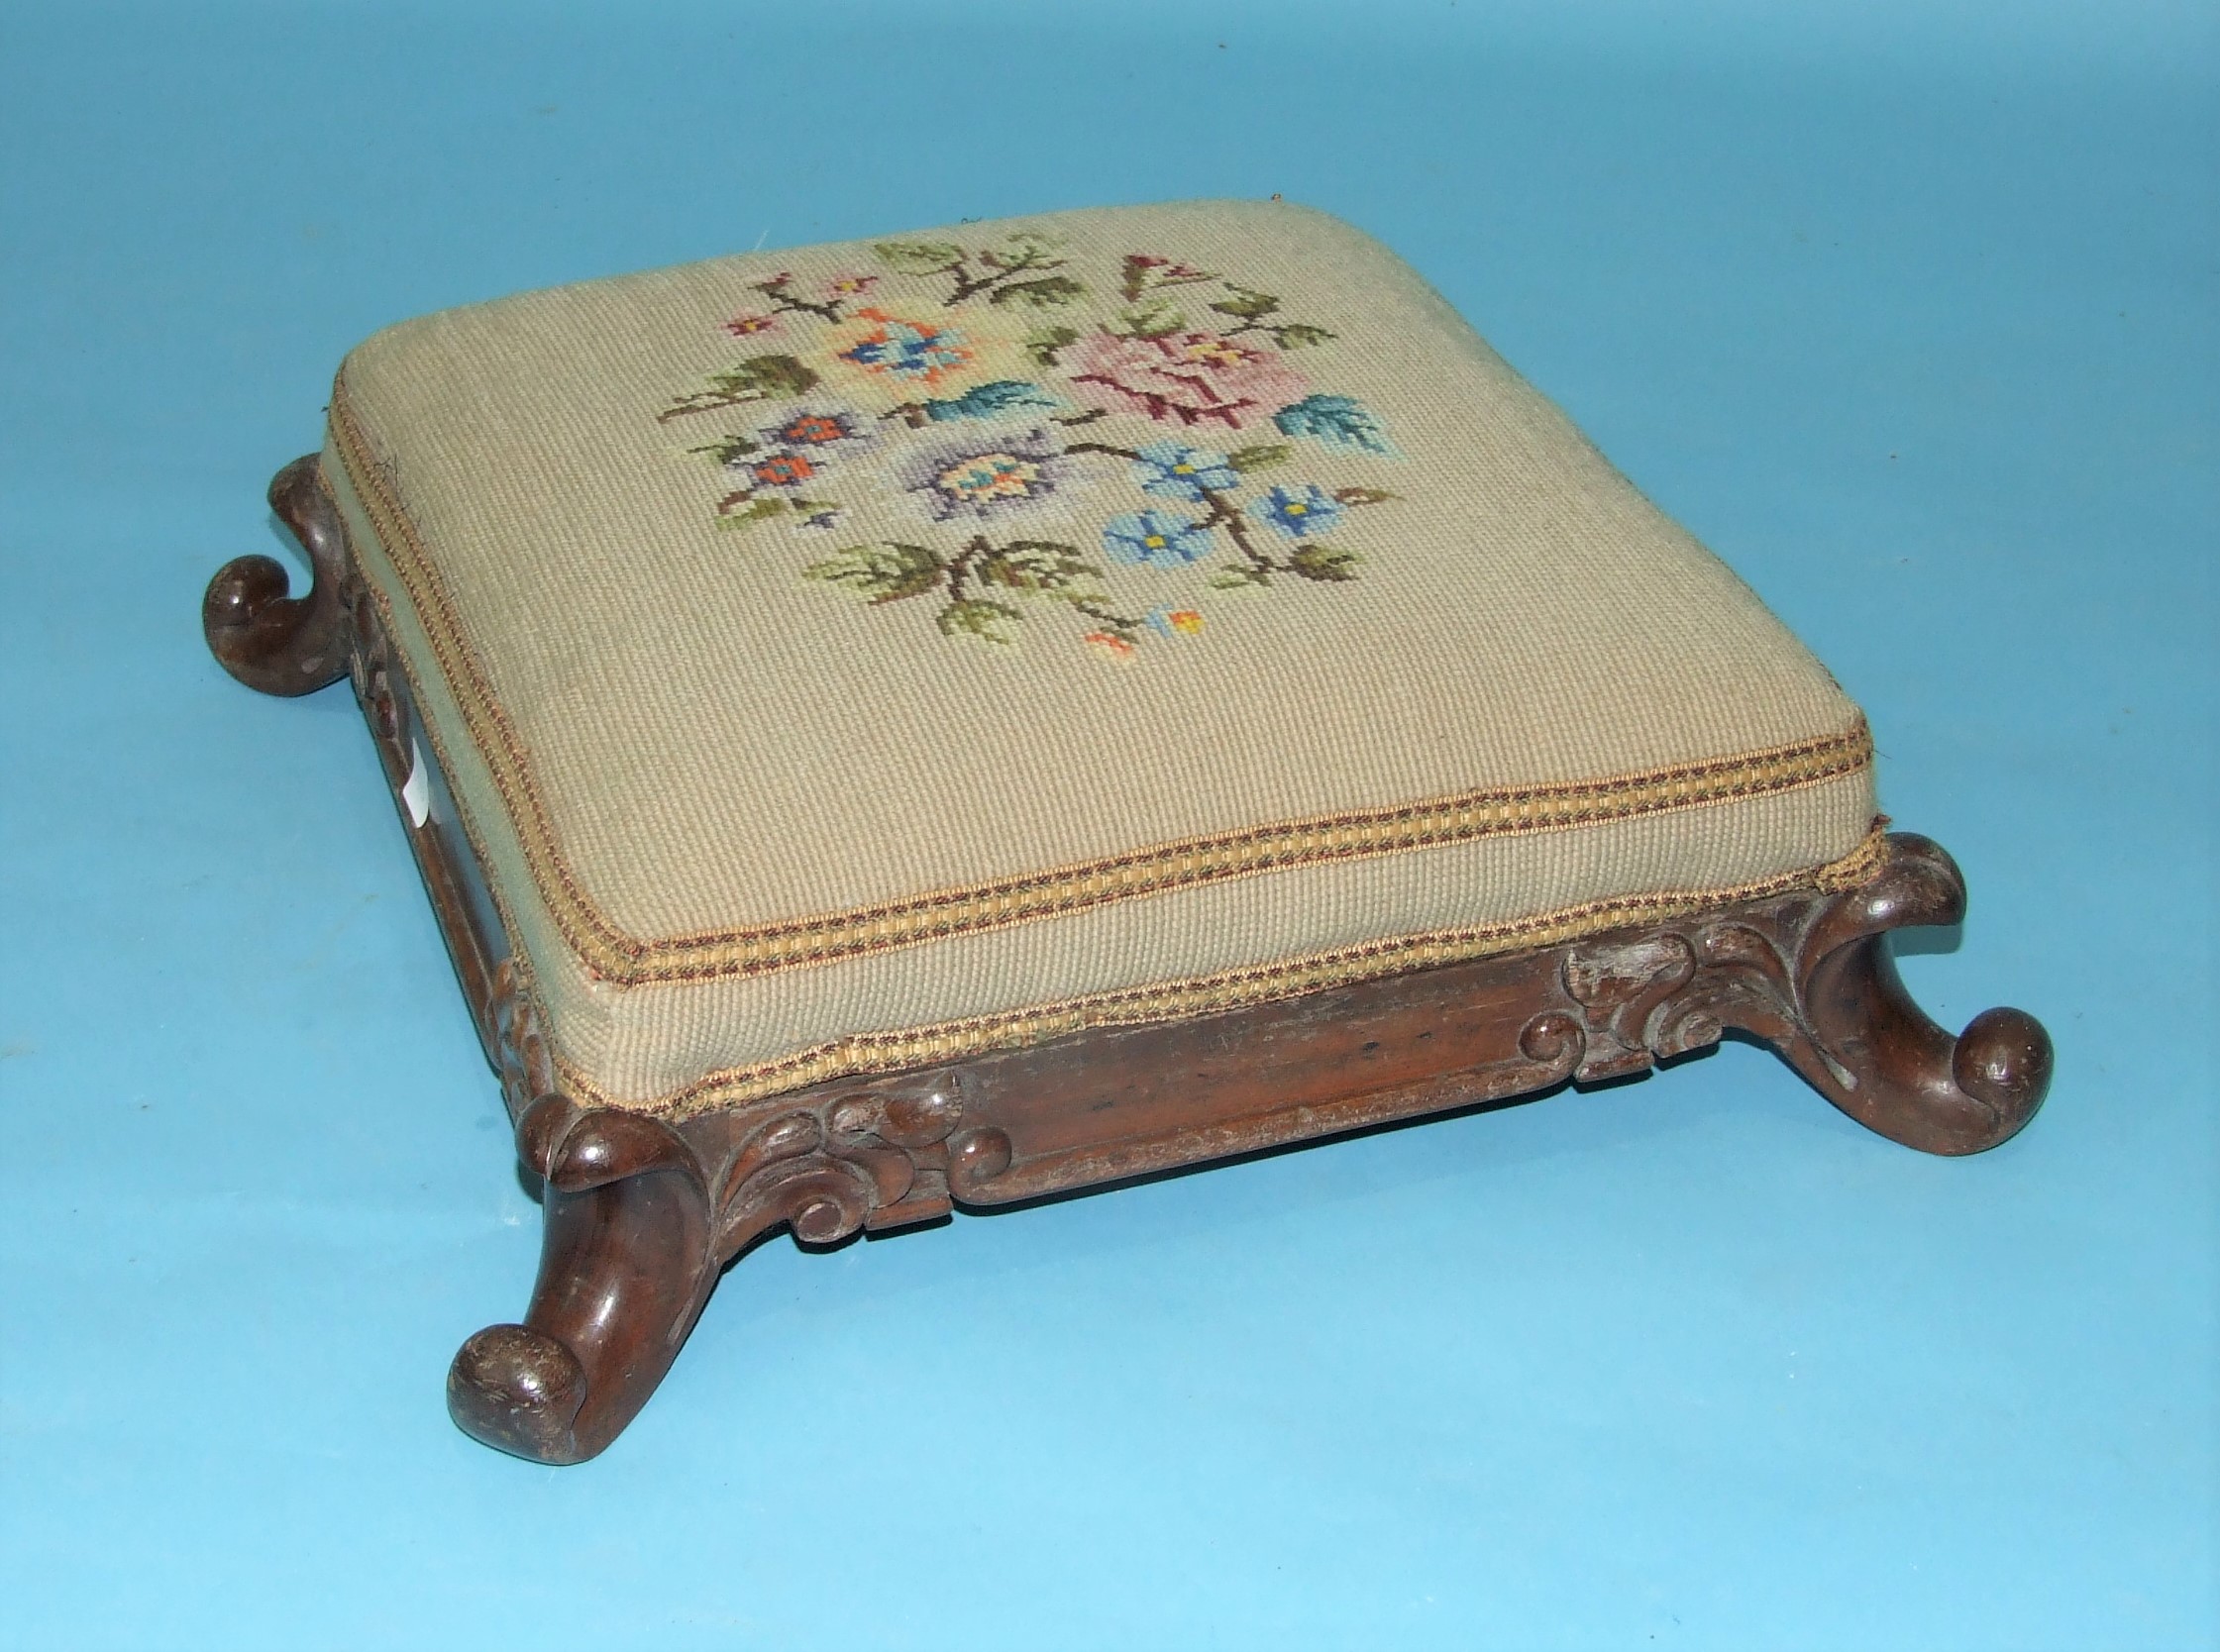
265 637
519 1391
1870 1050
626 1265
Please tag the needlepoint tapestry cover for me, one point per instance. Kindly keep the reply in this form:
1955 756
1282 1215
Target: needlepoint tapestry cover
861 656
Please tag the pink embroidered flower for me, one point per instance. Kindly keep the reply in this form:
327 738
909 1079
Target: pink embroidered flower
1186 378
849 285
740 326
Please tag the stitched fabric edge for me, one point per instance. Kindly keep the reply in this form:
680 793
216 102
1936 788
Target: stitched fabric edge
625 960
867 1054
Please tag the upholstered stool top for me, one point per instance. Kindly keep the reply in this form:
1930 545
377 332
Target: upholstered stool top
859 657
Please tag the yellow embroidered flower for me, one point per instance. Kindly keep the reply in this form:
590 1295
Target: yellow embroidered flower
896 361
987 477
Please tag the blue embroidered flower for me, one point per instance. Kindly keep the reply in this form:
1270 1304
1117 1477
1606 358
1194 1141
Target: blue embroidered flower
1175 471
1153 539
1298 511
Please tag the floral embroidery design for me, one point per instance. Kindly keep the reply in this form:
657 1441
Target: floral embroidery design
913 351
1298 512
810 428
982 385
1178 472
987 477
1152 537
1187 378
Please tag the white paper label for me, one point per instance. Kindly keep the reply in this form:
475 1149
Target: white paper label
416 792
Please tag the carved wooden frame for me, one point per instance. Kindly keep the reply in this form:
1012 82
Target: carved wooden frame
641 1213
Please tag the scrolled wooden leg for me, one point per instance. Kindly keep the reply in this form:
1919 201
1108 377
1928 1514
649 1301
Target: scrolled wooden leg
626 1265
1854 1031
268 639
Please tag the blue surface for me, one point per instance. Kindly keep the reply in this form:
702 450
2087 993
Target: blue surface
1909 311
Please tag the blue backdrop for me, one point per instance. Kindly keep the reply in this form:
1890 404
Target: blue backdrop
1909 311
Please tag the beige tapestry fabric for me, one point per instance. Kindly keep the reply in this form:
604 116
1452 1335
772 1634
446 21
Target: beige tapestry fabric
860 656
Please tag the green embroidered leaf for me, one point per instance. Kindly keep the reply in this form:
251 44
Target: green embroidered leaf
1032 247
1323 562
761 378
1041 294
1338 421
1298 335
1239 579
758 380
986 400
1246 302
1036 566
725 448
919 258
759 510
1141 272
1363 496
976 616
1043 345
881 572
1153 320
1262 457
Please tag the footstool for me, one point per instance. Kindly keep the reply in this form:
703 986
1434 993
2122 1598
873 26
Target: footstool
953 718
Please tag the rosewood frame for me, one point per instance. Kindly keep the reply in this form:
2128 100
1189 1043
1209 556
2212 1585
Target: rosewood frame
642 1214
